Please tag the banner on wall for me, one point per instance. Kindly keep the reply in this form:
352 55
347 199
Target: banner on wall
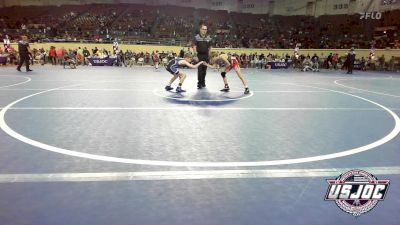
101 61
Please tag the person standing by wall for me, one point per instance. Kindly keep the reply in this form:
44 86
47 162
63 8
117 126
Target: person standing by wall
24 52
86 54
53 55
60 55
351 57
382 62
202 44
6 41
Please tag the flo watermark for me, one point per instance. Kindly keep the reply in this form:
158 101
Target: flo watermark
370 15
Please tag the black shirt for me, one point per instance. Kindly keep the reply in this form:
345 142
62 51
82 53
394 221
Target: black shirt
86 53
23 47
351 56
315 59
202 43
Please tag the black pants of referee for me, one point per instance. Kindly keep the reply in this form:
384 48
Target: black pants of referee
202 70
350 68
23 59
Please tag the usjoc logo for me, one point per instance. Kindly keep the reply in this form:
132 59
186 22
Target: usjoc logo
100 61
356 191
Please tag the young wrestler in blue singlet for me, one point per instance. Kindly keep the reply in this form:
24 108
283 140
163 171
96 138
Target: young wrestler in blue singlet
173 67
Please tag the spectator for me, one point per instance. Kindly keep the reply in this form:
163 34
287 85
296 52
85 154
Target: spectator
60 55
382 63
392 62
86 54
315 62
363 63
128 58
95 52
53 55
334 60
329 61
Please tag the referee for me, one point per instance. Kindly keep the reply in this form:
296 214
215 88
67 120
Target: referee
202 45
351 57
24 52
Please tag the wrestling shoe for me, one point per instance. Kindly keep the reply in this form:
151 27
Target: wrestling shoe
225 89
168 88
179 90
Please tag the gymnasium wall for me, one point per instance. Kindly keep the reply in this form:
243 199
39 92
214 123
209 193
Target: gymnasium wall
149 48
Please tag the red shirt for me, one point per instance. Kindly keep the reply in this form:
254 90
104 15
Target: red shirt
52 52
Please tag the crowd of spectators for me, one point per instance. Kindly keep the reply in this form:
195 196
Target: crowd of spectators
129 58
133 22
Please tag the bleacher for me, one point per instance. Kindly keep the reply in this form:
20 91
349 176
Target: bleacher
136 22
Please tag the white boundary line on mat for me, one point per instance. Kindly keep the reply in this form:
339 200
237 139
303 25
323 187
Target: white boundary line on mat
365 90
28 79
188 175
